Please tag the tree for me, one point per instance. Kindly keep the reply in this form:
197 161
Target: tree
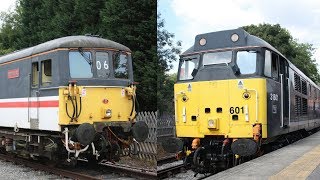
167 53
9 31
300 54
129 22
133 23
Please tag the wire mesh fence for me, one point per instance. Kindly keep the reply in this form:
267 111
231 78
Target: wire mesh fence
160 128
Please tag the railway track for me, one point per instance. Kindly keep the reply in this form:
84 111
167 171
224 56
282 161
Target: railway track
49 169
170 171
135 172
165 160
104 167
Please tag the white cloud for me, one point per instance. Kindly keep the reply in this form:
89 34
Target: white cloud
301 18
6 5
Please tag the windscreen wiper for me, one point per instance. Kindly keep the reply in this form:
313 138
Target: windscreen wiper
88 59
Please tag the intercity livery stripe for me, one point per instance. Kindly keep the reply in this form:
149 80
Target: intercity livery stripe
32 104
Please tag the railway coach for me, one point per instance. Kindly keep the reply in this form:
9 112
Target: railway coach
67 98
236 93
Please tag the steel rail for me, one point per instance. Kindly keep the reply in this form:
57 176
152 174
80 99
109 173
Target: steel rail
165 160
170 171
130 171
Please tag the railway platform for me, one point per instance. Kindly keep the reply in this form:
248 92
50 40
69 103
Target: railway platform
300 160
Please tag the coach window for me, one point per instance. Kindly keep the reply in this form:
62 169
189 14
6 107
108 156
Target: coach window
120 65
246 61
102 64
35 74
46 75
80 64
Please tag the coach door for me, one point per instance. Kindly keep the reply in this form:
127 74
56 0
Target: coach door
34 94
284 80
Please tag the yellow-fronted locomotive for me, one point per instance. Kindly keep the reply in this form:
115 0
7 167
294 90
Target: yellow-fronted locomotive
234 93
67 98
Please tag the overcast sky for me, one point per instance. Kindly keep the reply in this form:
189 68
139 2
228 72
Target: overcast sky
5 5
187 18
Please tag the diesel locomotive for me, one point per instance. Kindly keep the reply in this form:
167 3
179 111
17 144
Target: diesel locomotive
69 98
234 94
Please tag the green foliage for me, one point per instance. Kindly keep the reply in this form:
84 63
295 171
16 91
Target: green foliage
129 22
165 95
9 31
300 54
133 23
167 53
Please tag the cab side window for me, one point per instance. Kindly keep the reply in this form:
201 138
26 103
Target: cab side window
267 64
275 66
35 74
271 65
46 75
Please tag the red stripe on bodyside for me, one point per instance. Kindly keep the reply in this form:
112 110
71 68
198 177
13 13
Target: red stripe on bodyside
32 104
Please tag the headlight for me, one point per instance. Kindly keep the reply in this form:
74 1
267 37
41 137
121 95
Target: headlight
211 123
246 95
108 113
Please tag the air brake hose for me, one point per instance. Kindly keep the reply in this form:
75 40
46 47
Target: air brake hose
80 108
76 108
67 111
133 105
74 112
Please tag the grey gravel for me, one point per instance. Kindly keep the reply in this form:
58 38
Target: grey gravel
9 170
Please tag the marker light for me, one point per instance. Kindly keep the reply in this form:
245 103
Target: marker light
234 37
105 101
203 41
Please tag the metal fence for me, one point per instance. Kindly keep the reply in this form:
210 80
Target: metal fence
160 128
148 149
166 127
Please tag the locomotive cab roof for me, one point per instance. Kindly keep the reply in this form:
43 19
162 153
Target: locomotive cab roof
65 42
226 39
234 38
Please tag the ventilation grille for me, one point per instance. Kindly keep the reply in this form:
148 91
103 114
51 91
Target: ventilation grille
304 106
297 107
297 85
304 87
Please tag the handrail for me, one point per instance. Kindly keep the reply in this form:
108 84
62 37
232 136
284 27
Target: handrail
281 93
257 104
289 97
